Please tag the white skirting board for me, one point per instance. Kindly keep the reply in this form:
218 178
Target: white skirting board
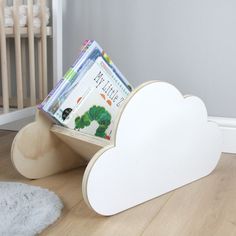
228 129
15 120
17 125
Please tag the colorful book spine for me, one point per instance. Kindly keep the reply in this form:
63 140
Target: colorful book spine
73 81
55 92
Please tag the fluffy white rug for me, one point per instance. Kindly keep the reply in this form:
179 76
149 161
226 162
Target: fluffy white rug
26 210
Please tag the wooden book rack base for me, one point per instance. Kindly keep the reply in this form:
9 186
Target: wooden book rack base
162 141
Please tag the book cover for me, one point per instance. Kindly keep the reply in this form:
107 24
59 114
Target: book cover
101 78
92 116
90 94
78 70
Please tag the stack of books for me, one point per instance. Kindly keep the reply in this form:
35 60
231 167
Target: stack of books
89 95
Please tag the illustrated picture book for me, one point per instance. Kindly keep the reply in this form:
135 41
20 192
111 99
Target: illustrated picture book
93 83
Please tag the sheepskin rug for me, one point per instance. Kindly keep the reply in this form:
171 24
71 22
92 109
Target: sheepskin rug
26 210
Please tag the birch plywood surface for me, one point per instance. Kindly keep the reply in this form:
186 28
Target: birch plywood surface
36 153
205 207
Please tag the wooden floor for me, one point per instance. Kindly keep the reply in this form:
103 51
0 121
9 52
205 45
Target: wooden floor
206 207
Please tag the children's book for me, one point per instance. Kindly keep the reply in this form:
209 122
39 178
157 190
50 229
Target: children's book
89 52
92 82
55 92
92 115
103 84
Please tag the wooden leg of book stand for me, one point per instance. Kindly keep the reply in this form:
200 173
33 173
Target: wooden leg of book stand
36 152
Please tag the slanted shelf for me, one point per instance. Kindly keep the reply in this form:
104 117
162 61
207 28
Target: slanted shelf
84 144
42 148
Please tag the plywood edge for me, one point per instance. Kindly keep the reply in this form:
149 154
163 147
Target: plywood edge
111 144
87 172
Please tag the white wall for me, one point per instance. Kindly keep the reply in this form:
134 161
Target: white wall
189 43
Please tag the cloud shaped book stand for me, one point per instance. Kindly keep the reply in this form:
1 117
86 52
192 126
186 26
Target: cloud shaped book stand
162 142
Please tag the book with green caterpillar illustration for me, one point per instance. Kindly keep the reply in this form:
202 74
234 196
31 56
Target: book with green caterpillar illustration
97 97
90 94
92 116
